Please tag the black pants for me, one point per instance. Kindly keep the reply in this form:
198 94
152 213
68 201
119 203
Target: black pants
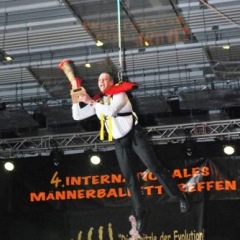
137 142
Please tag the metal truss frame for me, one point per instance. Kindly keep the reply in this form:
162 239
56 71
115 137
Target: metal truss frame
82 141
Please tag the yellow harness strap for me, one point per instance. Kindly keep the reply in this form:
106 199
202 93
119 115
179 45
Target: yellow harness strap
101 126
102 117
110 137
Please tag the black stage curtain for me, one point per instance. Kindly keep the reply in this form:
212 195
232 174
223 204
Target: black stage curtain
73 200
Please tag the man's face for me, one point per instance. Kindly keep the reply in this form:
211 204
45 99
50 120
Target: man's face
104 82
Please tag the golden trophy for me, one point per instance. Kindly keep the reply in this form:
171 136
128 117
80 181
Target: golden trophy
65 66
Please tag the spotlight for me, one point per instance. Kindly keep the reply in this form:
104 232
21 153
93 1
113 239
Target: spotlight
146 43
226 46
95 159
99 43
229 149
189 146
56 156
8 58
189 152
87 65
9 166
5 57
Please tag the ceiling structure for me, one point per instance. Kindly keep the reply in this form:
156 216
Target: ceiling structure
183 54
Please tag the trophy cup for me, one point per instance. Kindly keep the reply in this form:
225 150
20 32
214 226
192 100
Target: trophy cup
65 66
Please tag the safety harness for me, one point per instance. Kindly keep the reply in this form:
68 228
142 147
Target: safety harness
104 118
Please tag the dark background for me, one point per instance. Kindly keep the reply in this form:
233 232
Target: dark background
217 213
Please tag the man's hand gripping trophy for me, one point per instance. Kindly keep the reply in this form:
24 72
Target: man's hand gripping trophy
77 89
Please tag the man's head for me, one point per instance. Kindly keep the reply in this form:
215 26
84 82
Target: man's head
105 81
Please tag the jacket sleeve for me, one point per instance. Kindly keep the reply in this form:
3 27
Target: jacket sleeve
79 113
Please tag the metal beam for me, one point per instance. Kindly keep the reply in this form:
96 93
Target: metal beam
81 141
29 7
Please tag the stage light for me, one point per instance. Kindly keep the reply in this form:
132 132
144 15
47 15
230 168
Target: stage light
229 149
57 156
8 166
189 152
95 159
226 46
4 56
99 43
189 146
146 43
87 65
8 58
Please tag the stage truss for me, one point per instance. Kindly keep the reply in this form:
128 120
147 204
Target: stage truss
80 142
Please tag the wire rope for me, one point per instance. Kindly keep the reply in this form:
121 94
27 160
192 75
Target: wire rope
120 70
